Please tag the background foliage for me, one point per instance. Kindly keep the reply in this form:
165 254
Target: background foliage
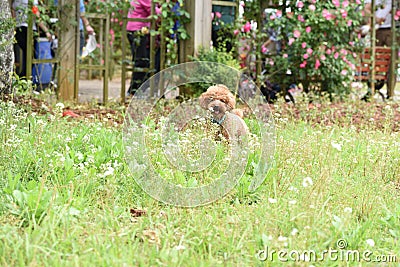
317 42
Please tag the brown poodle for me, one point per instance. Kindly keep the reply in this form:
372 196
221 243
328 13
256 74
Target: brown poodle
219 100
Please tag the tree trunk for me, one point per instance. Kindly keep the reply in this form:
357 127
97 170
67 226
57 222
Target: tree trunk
6 48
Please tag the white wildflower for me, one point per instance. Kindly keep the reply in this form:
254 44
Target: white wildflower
295 231
60 106
348 210
282 238
336 146
292 188
109 171
180 247
370 242
307 182
272 200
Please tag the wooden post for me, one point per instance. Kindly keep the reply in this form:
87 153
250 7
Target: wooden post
373 45
199 28
68 48
393 57
29 43
106 72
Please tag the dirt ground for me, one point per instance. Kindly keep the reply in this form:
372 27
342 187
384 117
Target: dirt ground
359 114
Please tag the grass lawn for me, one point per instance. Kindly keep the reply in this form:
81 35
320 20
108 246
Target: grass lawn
67 197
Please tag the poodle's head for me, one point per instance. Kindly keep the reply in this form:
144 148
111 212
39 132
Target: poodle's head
217 108
218 94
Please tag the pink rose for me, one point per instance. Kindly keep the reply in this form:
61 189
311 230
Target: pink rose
218 15
300 4
349 22
303 64
328 51
291 40
308 29
300 18
305 56
327 15
271 62
247 27
336 55
303 44
397 15
317 64
309 51
311 7
343 72
345 3
296 33
336 3
285 55
322 57
263 49
344 13
236 32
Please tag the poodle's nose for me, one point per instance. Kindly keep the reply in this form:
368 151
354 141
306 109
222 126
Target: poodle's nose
215 108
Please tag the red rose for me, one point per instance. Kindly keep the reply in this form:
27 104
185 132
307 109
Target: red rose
35 10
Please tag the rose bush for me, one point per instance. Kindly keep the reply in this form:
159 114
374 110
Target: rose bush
317 42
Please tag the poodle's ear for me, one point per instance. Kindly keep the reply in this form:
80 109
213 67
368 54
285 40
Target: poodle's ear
230 98
204 101
231 101
238 112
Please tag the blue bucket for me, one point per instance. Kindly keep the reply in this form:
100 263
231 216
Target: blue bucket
41 73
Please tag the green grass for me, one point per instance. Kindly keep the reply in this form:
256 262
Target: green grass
66 194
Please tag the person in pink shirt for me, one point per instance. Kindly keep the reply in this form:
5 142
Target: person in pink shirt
139 39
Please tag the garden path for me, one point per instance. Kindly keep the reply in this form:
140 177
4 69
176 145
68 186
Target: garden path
92 90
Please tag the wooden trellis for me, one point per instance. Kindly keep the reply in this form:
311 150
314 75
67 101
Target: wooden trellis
67 57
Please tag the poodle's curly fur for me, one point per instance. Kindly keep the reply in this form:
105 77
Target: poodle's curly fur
219 100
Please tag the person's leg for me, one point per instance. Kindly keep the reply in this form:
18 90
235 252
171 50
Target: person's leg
143 53
384 38
21 35
132 42
140 57
81 42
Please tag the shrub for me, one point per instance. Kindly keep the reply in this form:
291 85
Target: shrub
317 41
207 71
